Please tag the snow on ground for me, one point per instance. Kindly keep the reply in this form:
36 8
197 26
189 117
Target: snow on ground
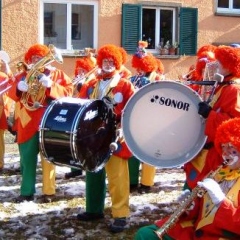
57 220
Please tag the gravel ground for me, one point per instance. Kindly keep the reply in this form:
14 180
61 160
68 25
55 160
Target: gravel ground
57 220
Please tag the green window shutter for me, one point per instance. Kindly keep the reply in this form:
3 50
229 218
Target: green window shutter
131 26
188 31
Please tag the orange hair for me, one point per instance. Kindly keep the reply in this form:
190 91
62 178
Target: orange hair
203 58
124 55
110 51
147 63
206 48
35 50
86 63
228 132
229 57
160 67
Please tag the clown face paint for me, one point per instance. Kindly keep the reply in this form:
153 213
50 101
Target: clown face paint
230 155
108 65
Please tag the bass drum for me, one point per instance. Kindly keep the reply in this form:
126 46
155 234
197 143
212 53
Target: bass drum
77 133
161 124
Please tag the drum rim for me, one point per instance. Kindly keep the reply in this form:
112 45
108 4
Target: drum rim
126 131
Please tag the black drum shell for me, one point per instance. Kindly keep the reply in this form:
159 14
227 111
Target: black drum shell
77 133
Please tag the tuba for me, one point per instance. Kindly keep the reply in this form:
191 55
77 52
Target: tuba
35 95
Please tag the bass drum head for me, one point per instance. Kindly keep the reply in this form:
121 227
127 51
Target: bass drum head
161 124
95 133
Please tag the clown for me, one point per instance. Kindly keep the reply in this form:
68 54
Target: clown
146 66
5 82
215 215
55 84
223 106
117 90
85 70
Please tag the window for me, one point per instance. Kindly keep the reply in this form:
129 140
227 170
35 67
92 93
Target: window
70 25
159 25
228 7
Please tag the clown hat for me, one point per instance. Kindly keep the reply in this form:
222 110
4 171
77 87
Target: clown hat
229 57
35 50
228 132
110 51
143 60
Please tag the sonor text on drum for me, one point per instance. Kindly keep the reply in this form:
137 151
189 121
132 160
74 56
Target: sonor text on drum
171 102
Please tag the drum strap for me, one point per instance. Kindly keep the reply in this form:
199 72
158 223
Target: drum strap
113 83
216 96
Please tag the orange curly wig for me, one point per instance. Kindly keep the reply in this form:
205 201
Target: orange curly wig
36 49
203 58
147 63
124 55
229 57
228 132
110 51
86 63
206 48
160 67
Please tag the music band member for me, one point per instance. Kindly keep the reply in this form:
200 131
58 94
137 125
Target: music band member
109 84
146 66
51 83
5 75
85 69
223 106
215 215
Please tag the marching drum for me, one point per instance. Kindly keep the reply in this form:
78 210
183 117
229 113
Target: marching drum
77 133
161 124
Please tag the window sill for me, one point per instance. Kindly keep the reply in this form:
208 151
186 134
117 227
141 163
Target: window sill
73 53
168 56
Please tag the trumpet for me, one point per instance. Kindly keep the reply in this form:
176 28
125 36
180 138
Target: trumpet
196 192
79 81
36 92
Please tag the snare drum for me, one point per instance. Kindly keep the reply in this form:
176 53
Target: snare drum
161 124
77 133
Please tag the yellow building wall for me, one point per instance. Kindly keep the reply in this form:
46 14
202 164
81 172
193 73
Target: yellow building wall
20 29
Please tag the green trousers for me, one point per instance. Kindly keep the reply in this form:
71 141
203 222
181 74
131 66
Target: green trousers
28 164
95 191
133 166
116 170
147 232
147 174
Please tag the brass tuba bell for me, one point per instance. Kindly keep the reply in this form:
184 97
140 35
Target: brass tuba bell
35 95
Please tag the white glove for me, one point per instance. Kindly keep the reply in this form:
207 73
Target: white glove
6 67
213 189
46 81
22 86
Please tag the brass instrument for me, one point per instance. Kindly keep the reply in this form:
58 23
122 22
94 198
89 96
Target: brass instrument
36 92
196 192
79 81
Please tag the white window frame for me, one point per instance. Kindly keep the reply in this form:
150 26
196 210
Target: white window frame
157 27
228 11
69 29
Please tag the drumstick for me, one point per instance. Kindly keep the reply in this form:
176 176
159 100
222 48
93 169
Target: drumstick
113 146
